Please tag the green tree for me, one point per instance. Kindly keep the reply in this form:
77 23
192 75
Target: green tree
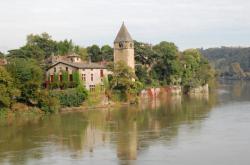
167 68
28 77
28 51
143 75
7 90
82 52
44 42
1 55
94 52
125 82
65 80
107 53
144 54
197 70
76 79
65 47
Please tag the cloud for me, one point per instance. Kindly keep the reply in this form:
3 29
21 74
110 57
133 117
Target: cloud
188 23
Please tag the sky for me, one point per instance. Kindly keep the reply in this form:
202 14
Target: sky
187 23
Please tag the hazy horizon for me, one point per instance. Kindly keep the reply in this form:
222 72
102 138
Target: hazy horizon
187 23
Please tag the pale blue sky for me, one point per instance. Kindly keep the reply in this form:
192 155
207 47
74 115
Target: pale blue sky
188 23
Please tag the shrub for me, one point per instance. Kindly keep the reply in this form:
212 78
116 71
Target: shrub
48 103
71 97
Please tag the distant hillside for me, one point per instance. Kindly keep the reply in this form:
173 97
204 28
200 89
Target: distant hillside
230 62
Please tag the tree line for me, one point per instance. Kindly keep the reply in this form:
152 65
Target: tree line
224 60
156 65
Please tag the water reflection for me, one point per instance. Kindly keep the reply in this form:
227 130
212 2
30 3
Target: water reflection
126 132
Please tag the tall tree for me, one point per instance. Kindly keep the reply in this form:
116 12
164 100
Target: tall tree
82 52
107 53
124 81
167 68
28 77
1 55
94 53
44 42
144 53
65 47
7 90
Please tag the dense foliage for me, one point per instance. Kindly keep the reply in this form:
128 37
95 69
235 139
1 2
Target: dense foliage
22 79
97 54
225 59
164 64
124 82
71 97
7 89
1 55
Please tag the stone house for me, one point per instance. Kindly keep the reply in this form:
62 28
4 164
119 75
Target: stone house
92 74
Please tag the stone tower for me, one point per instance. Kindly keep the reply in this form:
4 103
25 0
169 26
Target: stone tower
124 47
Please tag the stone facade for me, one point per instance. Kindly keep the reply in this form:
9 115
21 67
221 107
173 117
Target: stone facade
125 54
124 48
92 74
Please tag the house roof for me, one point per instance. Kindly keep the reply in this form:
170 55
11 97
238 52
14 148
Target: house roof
123 35
73 55
80 65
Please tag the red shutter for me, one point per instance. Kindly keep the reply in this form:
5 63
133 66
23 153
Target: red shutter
101 73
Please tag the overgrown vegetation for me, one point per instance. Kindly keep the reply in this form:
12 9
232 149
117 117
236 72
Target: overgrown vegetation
124 83
70 97
163 64
22 79
230 62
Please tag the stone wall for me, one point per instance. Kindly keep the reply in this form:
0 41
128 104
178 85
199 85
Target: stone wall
155 92
199 90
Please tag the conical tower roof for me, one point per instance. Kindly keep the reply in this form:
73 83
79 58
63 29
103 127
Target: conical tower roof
123 35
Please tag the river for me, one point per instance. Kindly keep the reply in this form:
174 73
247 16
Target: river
201 130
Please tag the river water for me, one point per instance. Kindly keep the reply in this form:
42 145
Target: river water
203 130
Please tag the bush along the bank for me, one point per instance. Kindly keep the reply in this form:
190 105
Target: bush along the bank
71 97
48 103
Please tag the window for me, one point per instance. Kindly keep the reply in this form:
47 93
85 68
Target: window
92 77
91 69
55 69
70 77
101 73
92 88
60 78
102 87
131 45
60 68
51 78
84 77
67 69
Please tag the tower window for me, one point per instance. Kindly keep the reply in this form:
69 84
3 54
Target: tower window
121 44
131 45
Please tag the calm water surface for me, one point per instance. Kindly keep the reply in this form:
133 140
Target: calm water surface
202 130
